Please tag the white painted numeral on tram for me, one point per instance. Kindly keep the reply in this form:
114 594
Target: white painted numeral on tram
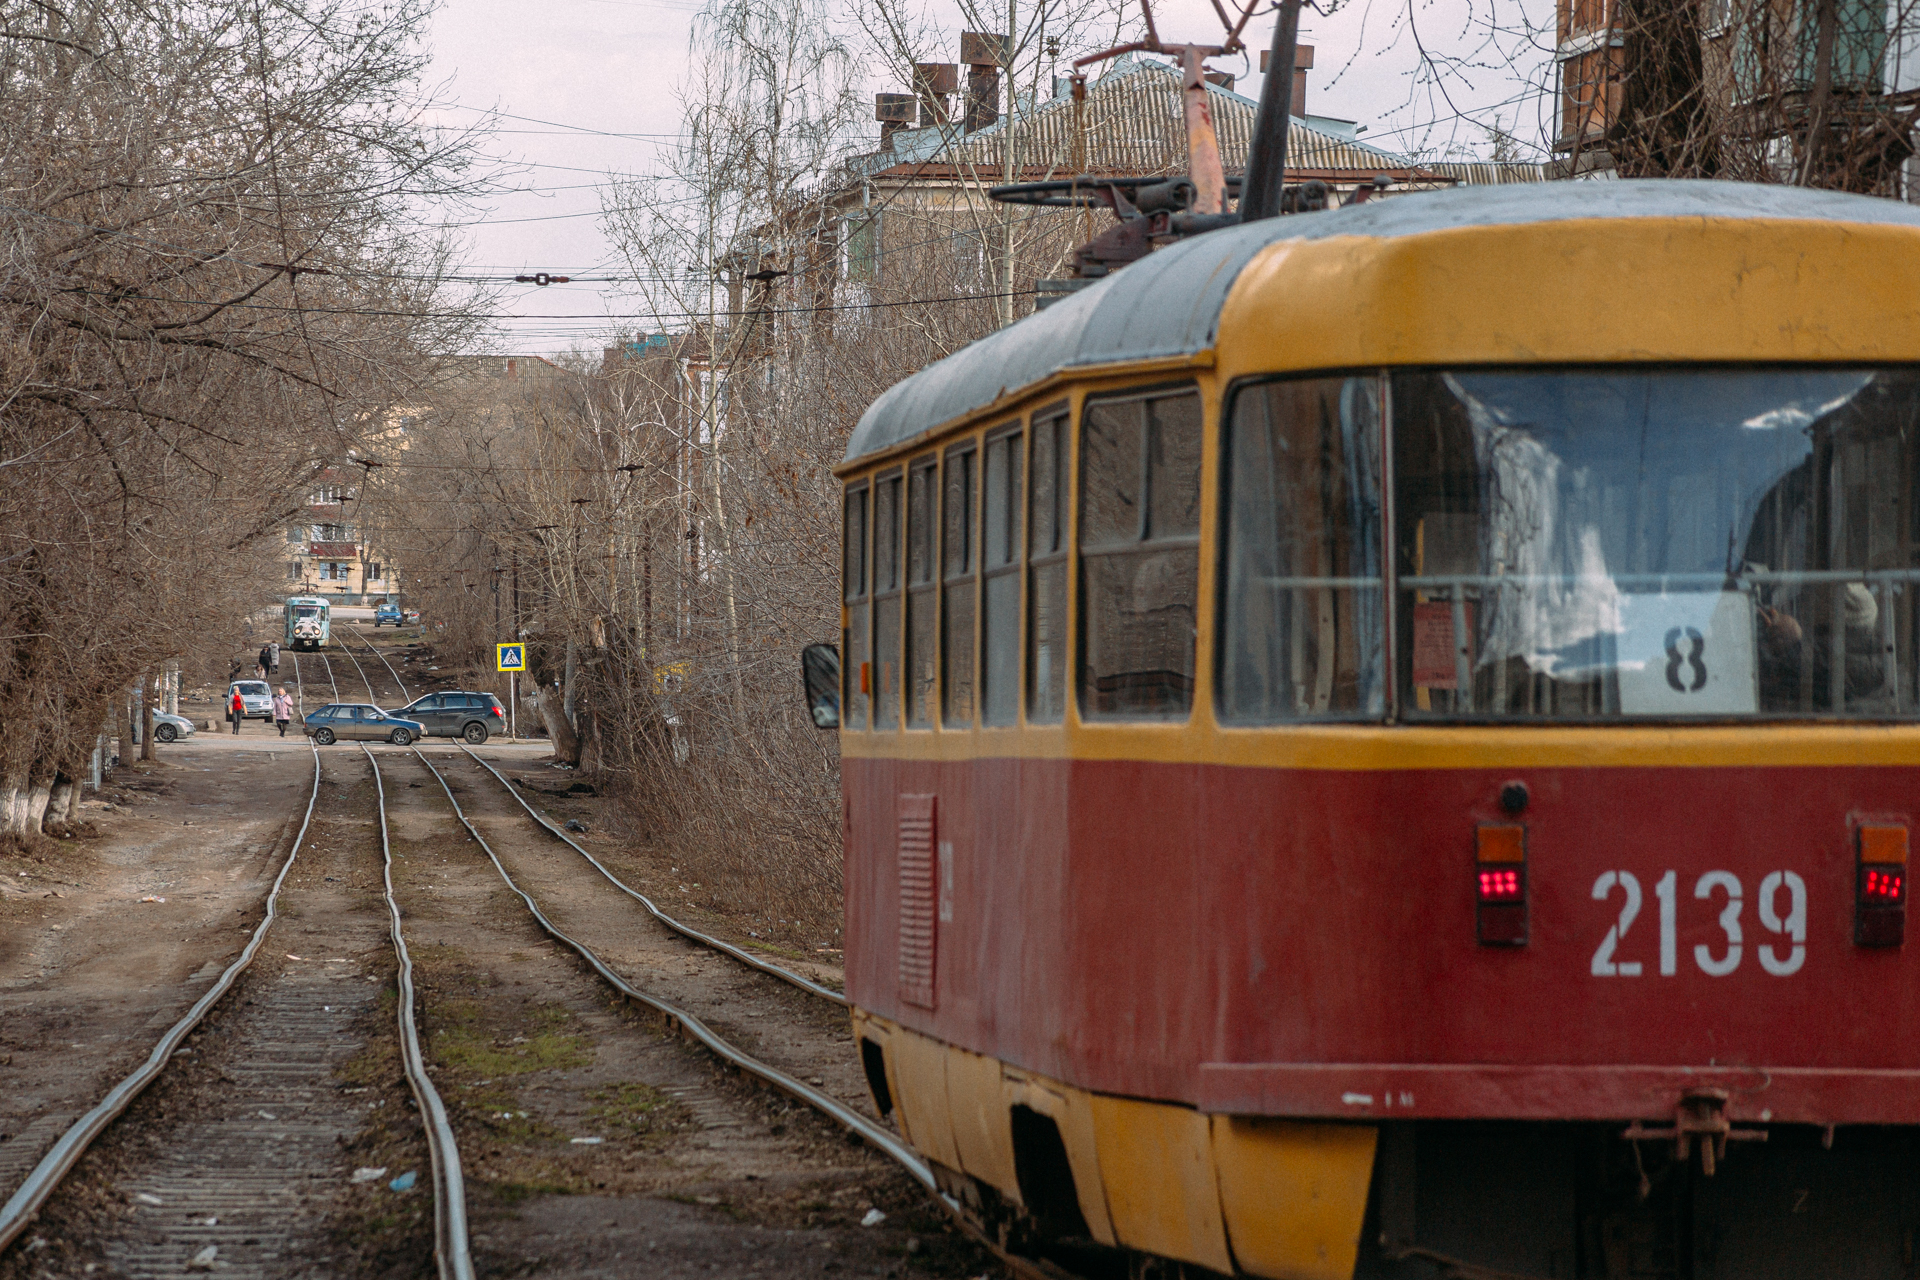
1604 965
1794 926
1729 923
1790 926
1668 892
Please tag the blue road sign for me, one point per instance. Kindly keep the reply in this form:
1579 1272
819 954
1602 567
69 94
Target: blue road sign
509 657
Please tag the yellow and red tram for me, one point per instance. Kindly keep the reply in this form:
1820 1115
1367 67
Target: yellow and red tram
1383 743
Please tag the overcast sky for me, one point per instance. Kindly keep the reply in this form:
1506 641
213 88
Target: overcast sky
593 84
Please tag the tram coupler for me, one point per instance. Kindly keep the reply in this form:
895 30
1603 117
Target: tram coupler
1702 1113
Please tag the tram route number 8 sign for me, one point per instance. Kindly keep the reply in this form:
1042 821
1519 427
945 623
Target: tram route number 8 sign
510 657
1781 906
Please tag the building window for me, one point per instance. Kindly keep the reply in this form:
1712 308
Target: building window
1139 555
863 247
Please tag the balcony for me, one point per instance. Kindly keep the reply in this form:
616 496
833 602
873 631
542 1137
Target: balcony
334 550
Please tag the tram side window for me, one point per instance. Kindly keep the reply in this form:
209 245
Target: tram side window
922 590
1302 627
886 602
960 561
1001 517
856 671
1047 572
1139 555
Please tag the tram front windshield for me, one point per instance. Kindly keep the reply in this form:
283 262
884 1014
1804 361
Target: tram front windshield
1575 544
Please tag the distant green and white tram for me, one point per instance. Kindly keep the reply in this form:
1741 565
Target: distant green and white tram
309 624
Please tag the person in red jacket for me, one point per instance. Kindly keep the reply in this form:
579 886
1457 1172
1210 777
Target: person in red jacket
237 710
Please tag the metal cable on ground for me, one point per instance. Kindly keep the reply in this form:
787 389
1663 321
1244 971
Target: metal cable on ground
451 1251
59 1161
743 956
867 1130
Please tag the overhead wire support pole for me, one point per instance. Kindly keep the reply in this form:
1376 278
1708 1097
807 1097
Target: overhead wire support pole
1267 155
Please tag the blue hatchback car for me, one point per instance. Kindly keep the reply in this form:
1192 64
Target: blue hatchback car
360 722
387 612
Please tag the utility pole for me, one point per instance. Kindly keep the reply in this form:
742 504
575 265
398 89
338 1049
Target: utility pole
1003 306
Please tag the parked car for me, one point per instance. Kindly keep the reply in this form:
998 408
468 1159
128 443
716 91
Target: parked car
359 722
388 612
167 727
255 695
458 713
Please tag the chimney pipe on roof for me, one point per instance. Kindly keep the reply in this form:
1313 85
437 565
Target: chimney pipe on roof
1302 63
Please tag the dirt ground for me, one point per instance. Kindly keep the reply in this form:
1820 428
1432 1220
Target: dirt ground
106 941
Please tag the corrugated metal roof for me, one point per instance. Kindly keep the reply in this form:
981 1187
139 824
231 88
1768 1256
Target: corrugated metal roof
1133 123
1168 303
1484 173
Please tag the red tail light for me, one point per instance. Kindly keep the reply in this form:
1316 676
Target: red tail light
1880 890
1500 886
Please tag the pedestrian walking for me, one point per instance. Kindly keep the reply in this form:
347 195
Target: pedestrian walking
273 656
237 710
282 709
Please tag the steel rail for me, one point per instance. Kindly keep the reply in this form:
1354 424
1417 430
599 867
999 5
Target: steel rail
32 1194
327 663
867 1130
393 670
707 940
839 1111
451 1250
299 690
372 697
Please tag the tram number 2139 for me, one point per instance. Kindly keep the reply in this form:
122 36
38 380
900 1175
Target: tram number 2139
1781 907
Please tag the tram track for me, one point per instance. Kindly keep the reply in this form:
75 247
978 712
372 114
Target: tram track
805 1053
809 1058
245 1180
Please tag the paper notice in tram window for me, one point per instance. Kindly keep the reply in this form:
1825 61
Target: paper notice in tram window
1687 654
1433 664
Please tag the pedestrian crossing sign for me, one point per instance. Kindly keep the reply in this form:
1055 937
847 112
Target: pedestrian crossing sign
509 657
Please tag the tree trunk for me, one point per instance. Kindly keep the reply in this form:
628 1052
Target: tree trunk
1665 129
572 673
588 726
73 804
148 750
9 796
57 806
38 797
566 744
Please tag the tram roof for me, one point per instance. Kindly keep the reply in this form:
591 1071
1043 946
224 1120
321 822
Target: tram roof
1168 304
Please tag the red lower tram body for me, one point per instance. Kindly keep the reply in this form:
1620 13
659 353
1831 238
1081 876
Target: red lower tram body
1599 1021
